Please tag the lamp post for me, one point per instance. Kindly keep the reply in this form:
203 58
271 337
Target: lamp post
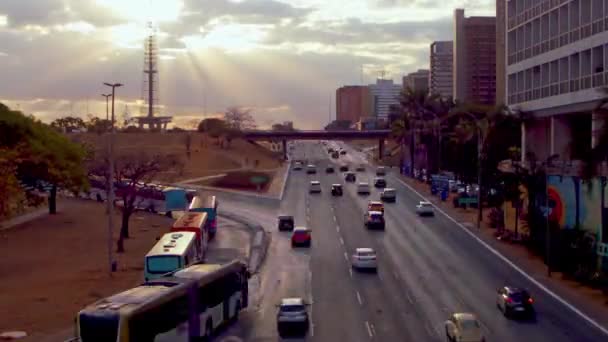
107 96
111 179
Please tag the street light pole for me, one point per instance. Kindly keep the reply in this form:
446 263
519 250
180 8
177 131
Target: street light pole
111 180
479 148
107 96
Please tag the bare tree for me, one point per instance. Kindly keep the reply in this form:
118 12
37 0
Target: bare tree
239 118
131 170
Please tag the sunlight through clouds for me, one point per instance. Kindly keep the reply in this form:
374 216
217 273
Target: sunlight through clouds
229 37
143 11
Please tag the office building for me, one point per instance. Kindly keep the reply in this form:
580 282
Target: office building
501 68
384 94
441 75
418 81
474 59
557 53
353 103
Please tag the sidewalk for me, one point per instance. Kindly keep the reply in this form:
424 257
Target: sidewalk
592 301
15 221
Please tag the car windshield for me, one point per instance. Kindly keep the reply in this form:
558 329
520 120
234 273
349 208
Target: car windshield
292 308
162 264
469 324
367 254
519 296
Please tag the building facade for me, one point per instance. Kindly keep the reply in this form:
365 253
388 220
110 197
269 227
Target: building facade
385 93
557 54
353 103
441 77
418 80
474 59
501 35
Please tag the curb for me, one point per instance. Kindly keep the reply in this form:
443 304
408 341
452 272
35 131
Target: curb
260 240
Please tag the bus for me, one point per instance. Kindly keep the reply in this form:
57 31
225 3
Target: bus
186 305
173 251
196 223
207 205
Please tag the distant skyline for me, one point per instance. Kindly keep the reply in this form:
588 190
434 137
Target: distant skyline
281 58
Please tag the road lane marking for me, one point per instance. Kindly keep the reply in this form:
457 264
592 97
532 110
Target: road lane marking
380 276
338 229
373 328
342 241
350 271
335 218
345 256
369 329
510 263
359 298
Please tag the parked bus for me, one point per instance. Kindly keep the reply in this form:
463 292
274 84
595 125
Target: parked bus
196 223
206 205
184 306
173 251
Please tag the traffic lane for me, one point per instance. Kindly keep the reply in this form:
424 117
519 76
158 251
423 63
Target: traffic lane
458 254
392 315
231 241
336 313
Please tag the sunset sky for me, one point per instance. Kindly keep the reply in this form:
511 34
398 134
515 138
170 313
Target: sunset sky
283 58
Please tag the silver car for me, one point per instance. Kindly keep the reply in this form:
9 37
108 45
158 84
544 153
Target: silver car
292 316
364 259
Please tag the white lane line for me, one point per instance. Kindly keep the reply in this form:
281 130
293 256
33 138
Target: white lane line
515 267
345 256
335 219
369 329
342 241
359 298
371 325
338 229
380 276
350 271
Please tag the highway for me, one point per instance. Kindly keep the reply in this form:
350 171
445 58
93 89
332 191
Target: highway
428 268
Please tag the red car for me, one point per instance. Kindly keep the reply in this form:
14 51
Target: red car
301 237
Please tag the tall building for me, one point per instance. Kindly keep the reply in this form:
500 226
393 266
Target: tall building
353 103
557 57
474 59
418 80
501 68
384 93
441 73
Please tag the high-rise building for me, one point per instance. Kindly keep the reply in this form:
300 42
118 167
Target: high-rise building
384 93
353 103
501 34
441 73
418 80
557 57
474 59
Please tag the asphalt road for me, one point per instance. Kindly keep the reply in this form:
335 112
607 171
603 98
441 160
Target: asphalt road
428 268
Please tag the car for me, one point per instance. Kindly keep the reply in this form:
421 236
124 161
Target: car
379 182
285 222
336 190
301 237
330 150
388 195
375 206
425 208
374 220
350 177
463 327
363 188
364 259
360 168
297 166
335 155
514 301
311 169
343 168
329 169
342 152
315 187
380 171
292 316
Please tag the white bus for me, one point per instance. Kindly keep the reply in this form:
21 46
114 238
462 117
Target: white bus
187 305
173 251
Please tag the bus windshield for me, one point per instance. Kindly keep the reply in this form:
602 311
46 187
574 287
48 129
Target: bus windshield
98 327
162 264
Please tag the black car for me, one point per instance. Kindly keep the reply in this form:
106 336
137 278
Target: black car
514 301
343 152
336 190
286 222
343 168
335 155
329 169
374 220
350 177
380 183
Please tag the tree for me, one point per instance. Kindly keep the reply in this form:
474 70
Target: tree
68 124
239 119
98 125
212 126
41 155
131 169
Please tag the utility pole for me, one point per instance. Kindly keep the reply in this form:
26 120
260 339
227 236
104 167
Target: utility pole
329 111
111 181
479 148
107 96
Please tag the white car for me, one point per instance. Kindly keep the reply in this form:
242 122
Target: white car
297 166
363 188
425 208
381 171
388 195
463 327
364 258
292 315
310 169
315 187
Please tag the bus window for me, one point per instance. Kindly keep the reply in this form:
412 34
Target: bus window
98 327
163 264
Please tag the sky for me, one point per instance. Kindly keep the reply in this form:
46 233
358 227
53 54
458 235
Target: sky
284 59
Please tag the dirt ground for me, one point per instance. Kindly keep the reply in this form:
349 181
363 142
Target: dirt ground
207 158
53 266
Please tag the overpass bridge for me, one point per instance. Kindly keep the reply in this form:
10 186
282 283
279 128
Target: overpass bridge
380 134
